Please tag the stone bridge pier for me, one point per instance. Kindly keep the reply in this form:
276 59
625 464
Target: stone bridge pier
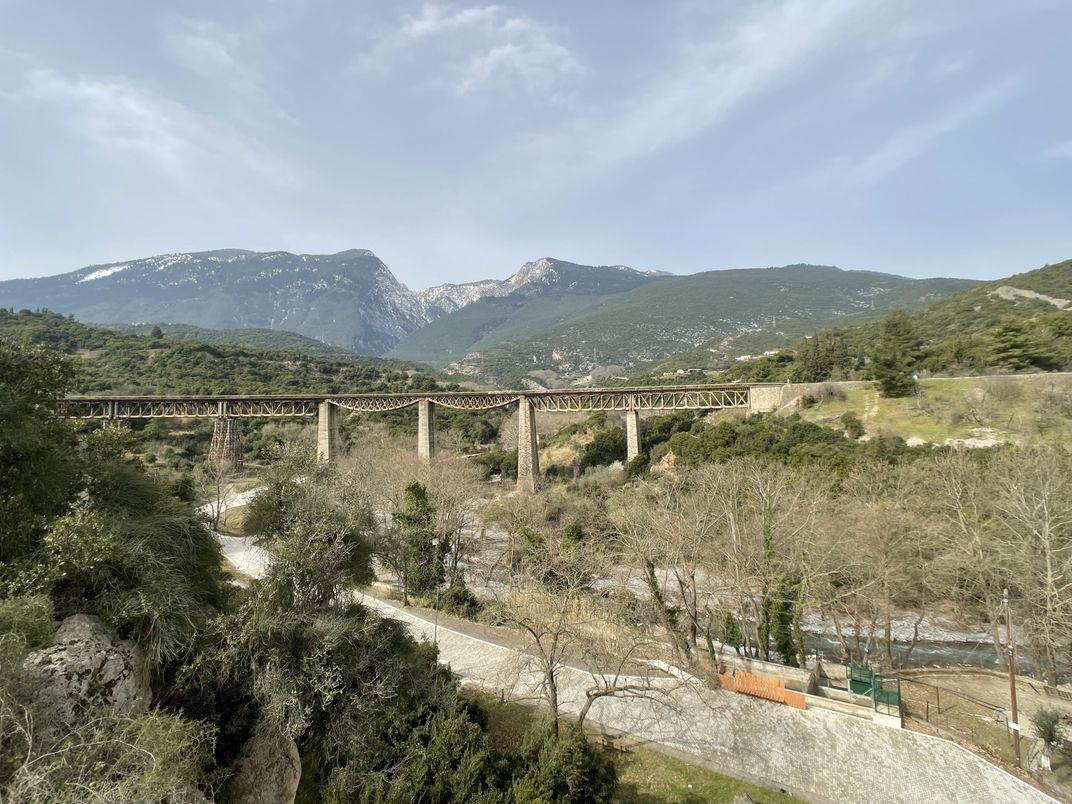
226 445
632 434
327 432
426 430
528 451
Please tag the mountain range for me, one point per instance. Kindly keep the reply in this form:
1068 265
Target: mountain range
551 320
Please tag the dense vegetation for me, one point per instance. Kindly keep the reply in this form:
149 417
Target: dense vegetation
289 662
119 362
272 339
999 326
695 441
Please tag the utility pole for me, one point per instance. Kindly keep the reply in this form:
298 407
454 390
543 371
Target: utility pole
1010 647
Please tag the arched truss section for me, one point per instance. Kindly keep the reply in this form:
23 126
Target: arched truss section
372 404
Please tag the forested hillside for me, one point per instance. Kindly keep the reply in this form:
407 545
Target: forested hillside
1021 323
275 339
106 360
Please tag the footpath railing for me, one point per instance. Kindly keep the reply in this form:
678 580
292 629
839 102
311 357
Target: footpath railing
946 708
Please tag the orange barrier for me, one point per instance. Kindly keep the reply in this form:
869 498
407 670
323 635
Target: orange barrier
795 699
771 689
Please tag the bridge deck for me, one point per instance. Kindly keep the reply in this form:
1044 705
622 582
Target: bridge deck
682 397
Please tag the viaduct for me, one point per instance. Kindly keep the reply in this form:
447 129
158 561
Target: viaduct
226 411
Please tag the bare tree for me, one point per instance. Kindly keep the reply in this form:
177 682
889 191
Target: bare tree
213 481
972 542
552 603
1032 498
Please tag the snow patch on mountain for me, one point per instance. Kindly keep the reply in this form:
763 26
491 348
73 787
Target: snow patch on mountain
103 272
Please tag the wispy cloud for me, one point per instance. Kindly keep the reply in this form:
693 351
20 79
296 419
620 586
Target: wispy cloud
480 45
211 51
911 142
125 121
1062 150
715 75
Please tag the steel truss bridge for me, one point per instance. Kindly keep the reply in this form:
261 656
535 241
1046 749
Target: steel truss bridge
225 409
706 397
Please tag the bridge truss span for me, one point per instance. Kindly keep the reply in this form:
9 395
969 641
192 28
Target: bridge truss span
642 399
711 397
180 407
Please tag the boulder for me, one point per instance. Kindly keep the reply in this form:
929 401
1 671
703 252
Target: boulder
88 668
269 769
666 464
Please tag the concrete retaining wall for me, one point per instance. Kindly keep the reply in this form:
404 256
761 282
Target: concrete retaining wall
793 677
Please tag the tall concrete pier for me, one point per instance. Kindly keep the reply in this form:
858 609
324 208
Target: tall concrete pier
226 442
425 430
528 453
632 434
327 432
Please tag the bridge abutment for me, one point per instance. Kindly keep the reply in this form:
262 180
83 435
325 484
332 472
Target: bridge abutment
226 443
764 398
425 430
528 452
632 434
327 433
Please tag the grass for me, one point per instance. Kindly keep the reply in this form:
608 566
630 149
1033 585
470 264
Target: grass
1009 408
645 775
233 521
235 573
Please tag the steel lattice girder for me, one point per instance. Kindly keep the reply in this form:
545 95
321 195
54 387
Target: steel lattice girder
302 405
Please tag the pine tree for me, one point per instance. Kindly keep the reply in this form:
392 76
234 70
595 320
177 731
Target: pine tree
422 554
1017 348
896 356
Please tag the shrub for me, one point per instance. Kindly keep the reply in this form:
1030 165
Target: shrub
564 770
30 617
459 600
148 757
854 428
1047 725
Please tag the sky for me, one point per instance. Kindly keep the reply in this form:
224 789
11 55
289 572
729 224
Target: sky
459 140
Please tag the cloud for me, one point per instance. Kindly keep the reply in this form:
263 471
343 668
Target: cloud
913 141
210 51
124 121
480 45
715 75
1062 150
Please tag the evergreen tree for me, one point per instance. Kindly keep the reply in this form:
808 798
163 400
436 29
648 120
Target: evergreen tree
896 355
422 553
1016 348
819 358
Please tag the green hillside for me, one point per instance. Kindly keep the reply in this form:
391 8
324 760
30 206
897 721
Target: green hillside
107 360
569 335
272 339
1020 323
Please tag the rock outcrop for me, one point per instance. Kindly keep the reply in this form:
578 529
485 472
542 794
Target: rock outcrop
268 771
89 668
